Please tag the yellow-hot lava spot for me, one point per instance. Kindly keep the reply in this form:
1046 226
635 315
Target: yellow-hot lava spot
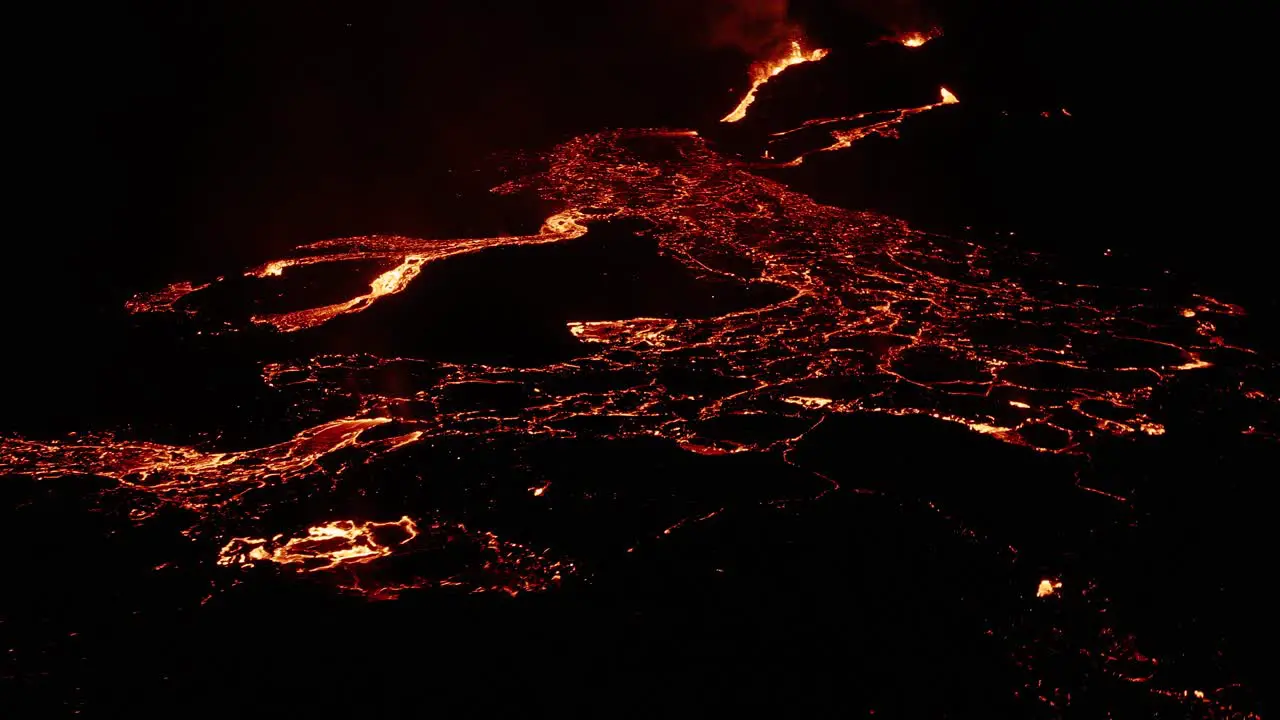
948 98
914 38
1151 428
808 403
324 547
761 73
1048 587
613 331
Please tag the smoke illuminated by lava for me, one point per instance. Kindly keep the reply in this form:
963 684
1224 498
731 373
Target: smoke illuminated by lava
761 73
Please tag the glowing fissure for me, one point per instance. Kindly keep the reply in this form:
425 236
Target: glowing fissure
845 138
762 73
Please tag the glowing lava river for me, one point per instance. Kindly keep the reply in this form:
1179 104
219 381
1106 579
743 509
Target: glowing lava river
398 475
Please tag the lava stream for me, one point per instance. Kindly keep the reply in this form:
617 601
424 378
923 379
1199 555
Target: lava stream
761 73
843 139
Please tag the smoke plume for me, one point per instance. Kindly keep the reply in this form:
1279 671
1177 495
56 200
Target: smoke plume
753 26
893 15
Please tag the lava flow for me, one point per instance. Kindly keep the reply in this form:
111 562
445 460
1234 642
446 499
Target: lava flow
410 256
483 563
324 547
885 126
870 317
761 73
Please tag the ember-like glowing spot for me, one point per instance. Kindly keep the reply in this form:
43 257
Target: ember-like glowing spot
1048 587
915 38
761 73
1151 428
809 403
912 38
948 98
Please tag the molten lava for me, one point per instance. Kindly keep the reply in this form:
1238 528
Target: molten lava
1048 587
324 547
844 138
761 73
915 38
492 564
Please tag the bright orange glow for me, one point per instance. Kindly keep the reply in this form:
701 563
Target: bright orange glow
948 98
809 403
1048 587
324 547
914 38
761 73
